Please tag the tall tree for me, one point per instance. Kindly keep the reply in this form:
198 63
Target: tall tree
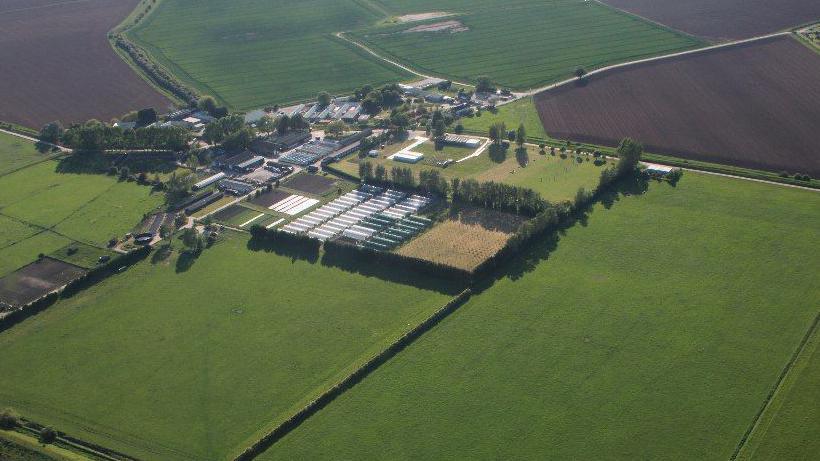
521 136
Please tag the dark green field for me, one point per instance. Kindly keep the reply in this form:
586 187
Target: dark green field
249 53
654 329
520 44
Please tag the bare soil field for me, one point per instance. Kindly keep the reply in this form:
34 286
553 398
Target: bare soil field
58 65
724 19
310 183
269 198
466 239
35 280
753 106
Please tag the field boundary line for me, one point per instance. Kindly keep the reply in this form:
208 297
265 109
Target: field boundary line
777 386
349 381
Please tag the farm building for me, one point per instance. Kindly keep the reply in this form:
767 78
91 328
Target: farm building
234 187
243 162
458 140
208 181
659 170
407 157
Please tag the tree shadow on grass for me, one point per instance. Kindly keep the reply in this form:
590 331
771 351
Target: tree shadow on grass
522 157
186 260
310 255
497 153
395 274
541 248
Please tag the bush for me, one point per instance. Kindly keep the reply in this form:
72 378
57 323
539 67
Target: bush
9 419
784 174
48 435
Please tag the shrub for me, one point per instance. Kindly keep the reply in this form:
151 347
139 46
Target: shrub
9 419
784 174
48 435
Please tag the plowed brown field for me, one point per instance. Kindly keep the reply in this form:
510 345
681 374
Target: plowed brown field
57 64
724 19
754 106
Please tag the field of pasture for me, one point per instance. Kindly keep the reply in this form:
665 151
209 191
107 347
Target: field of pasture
251 53
178 359
519 44
16 153
554 177
43 210
521 111
668 314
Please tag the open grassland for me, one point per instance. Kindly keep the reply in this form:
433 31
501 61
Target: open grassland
58 64
724 19
249 53
788 428
512 114
753 106
16 153
193 360
521 43
554 177
651 330
86 207
44 211
465 239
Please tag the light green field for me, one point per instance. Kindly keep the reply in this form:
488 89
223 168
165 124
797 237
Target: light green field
85 207
250 53
652 330
165 363
22 252
16 153
520 43
42 211
512 114
788 428
555 178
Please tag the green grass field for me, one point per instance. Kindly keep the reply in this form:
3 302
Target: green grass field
16 153
512 114
195 364
43 211
250 53
788 428
86 207
521 43
652 330
555 178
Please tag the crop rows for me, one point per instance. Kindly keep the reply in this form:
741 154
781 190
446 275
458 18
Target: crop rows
262 53
528 43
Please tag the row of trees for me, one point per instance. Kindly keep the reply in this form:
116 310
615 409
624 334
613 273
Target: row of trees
283 124
95 136
498 196
498 133
374 100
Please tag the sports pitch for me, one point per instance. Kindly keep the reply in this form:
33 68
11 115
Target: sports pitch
667 317
163 363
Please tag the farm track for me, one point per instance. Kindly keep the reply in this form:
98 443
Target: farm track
368 50
643 61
